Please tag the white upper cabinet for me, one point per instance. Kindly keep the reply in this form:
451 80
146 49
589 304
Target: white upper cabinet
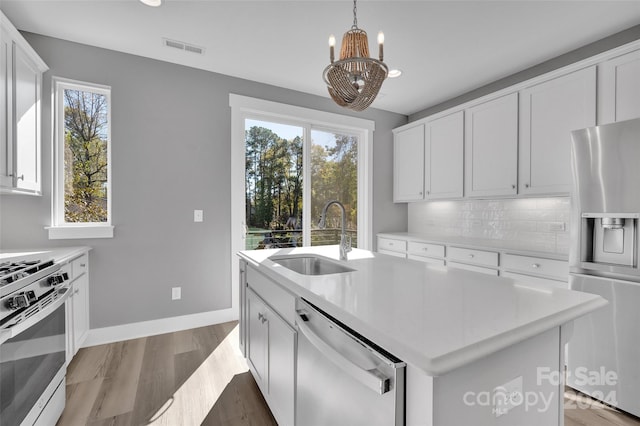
21 80
6 105
619 88
548 113
491 147
444 157
408 164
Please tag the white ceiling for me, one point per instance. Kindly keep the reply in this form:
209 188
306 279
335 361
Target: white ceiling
444 48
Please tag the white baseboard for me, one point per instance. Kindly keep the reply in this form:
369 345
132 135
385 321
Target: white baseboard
100 336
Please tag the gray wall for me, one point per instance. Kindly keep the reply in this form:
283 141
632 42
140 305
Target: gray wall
607 43
170 155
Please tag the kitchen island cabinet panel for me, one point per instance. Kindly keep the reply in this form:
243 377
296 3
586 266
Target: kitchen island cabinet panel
548 113
269 341
491 147
463 336
619 88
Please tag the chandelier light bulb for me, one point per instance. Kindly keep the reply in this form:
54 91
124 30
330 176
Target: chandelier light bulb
332 44
380 45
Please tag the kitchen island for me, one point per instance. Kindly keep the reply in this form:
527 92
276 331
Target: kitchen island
469 340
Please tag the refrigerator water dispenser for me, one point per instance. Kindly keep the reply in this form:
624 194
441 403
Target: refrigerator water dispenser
610 239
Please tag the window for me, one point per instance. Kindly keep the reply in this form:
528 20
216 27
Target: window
283 169
318 157
82 161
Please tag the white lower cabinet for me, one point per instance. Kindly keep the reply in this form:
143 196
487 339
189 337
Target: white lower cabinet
78 306
426 252
270 350
392 247
536 270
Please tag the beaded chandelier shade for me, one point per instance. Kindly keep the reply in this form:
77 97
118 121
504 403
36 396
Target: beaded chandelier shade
355 80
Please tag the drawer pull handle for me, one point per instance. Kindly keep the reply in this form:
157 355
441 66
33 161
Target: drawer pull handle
390 244
471 256
82 265
425 249
535 266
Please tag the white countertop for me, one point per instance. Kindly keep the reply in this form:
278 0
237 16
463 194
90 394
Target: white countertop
57 254
434 318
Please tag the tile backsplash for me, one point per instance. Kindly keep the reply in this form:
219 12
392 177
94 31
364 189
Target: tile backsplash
538 224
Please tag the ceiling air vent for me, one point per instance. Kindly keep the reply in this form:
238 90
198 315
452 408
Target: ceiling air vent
180 45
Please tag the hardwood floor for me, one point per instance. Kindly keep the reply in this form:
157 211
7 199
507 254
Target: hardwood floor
198 377
190 377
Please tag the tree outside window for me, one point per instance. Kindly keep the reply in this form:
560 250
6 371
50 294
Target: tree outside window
85 156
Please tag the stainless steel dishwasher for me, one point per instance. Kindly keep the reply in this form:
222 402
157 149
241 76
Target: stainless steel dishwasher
343 379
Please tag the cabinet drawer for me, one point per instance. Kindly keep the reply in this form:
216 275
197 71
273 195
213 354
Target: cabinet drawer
536 281
474 268
425 259
391 244
426 249
79 266
283 302
556 269
393 253
476 257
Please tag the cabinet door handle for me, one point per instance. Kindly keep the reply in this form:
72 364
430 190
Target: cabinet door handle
513 187
82 265
262 318
526 185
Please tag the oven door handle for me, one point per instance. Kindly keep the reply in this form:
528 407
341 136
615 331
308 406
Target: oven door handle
11 332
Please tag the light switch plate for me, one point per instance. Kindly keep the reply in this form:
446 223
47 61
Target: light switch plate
176 293
198 216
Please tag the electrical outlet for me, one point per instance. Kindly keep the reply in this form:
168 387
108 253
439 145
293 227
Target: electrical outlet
176 293
507 396
198 216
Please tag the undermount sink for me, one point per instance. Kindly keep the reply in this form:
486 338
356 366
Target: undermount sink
306 264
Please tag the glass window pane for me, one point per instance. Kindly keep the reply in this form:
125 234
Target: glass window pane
334 176
86 135
273 185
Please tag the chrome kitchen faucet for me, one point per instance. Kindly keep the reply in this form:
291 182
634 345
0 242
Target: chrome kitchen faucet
345 243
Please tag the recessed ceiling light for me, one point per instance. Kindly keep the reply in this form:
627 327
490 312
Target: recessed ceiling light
153 3
394 73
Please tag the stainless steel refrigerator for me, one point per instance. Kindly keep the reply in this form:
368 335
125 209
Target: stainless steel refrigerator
603 357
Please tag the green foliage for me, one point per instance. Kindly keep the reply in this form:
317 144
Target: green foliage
274 182
85 156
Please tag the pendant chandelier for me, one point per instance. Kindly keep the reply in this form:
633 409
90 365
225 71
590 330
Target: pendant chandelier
355 80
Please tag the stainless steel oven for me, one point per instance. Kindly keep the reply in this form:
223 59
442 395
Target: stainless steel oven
32 348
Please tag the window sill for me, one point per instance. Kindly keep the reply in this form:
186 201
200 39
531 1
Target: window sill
79 232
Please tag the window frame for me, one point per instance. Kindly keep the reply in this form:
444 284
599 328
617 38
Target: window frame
60 229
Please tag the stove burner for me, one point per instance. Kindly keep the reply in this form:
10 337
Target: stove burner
13 271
